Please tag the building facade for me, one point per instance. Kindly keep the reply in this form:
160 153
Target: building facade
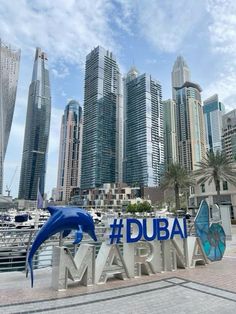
113 196
143 130
33 167
170 132
207 191
179 75
102 130
190 125
69 165
213 111
9 70
229 134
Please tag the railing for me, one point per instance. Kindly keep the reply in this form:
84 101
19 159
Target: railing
15 245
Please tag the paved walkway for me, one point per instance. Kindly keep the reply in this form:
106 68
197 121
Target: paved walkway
205 289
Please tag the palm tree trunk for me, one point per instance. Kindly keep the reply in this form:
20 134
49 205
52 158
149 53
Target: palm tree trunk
177 201
217 184
218 197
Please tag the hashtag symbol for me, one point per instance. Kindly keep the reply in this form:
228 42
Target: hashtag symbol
116 231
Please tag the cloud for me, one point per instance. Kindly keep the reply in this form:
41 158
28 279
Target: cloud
166 24
67 30
151 61
124 16
224 86
222 33
223 26
60 72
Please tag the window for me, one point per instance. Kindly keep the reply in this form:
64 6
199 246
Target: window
225 185
203 188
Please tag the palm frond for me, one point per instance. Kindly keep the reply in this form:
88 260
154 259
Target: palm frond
215 167
176 175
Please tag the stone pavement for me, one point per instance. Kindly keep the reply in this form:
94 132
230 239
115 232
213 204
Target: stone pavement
205 289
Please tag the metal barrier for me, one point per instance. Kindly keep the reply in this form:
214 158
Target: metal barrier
15 245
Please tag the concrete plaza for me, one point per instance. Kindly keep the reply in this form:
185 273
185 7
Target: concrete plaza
205 289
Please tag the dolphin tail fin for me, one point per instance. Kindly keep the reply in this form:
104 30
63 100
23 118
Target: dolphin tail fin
31 272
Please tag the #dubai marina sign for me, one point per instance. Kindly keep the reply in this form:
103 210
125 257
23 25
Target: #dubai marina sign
129 248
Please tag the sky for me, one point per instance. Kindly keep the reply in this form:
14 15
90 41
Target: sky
149 34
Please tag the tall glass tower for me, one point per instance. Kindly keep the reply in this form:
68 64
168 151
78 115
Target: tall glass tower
213 111
9 70
143 130
179 75
102 130
190 125
33 167
70 151
229 134
170 132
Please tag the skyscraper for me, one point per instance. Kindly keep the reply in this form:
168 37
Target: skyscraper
33 167
190 125
179 75
70 151
229 134
102 131
213 111
9 70
170 132
143 130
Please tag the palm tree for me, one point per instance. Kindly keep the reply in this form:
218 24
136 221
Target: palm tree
216 167
177 178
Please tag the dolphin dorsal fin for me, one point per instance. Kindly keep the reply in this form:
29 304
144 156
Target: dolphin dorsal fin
78 235
52 210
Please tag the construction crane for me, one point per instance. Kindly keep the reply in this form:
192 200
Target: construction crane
8 187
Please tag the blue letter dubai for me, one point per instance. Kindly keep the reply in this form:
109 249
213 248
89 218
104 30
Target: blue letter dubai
148 229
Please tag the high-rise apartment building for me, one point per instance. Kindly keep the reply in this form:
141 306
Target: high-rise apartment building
9 70
102 130
143 130
190 125
70 151
33 167
179 75
170 132
229 134
213 111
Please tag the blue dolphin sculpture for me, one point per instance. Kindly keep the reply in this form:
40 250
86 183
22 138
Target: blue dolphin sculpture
63 219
